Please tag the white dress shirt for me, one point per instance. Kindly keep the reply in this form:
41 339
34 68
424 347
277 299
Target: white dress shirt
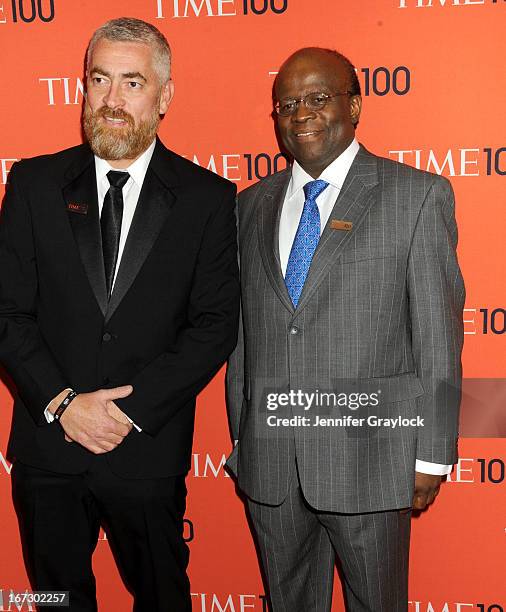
291 212
131 191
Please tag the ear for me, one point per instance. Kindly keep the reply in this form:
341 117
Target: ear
166 96
355 108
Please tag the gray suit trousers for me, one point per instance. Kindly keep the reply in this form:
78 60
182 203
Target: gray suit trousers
300 545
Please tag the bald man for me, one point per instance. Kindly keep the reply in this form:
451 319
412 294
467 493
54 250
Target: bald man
344 387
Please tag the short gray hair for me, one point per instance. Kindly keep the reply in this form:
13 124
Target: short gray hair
129 29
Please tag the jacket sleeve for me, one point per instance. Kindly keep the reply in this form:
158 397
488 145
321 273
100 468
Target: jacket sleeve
436 300
174 378
235 384
235 371
23 350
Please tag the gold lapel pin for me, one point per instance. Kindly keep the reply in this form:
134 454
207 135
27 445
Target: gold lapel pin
339 224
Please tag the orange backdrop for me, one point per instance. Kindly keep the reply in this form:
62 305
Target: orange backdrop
432 73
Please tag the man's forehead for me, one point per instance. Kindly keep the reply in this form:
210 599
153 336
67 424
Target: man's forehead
118 48
126 57
310 70
313 60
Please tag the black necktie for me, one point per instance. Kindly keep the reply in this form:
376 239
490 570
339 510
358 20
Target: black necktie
110 223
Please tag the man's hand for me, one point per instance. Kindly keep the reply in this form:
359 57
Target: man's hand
116 413
87 420
426 490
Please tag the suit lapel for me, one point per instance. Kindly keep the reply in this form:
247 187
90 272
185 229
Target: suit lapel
355 198
155 202
269 211
81 190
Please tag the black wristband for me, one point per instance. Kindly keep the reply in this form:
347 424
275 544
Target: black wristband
64 405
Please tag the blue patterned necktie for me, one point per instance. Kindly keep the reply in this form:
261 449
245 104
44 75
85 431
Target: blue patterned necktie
305 241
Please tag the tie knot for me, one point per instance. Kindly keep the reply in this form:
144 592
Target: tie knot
117 179
313 189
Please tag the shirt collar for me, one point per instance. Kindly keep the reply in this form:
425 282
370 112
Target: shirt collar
137 170
334 174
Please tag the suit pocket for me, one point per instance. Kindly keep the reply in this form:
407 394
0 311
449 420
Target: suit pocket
396 388
363 255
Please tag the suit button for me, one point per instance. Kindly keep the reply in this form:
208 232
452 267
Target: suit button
294 330
106 337
106 380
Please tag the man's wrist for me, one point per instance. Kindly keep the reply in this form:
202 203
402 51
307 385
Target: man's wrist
56 401
71 395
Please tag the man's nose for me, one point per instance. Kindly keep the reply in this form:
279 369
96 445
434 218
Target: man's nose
302 112
113 97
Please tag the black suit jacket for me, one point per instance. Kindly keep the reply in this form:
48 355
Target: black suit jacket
168 327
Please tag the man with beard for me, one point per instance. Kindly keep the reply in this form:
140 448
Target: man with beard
118 303
350 287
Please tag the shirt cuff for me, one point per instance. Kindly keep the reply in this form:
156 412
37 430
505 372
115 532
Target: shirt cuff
48 414
436 469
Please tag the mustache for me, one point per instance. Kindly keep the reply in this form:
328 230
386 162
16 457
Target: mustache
105 112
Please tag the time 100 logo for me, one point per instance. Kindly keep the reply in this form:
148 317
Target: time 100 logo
31 10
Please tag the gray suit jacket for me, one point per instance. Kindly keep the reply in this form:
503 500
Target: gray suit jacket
380 313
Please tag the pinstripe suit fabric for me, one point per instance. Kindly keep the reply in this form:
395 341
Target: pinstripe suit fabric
381 306
299 546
